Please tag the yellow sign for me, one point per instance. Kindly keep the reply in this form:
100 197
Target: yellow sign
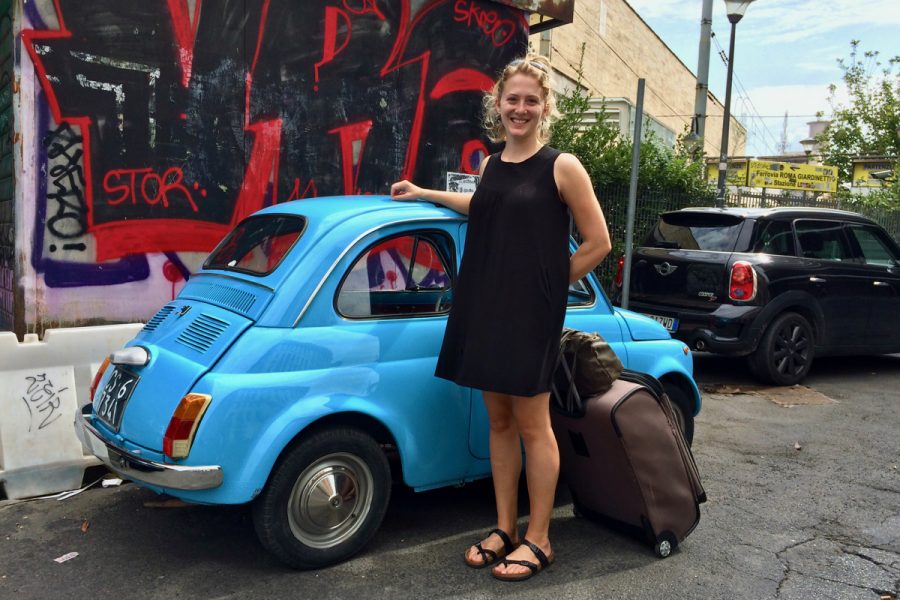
735 176
792 176
863 169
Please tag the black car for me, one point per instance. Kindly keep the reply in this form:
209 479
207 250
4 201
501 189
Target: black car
778 285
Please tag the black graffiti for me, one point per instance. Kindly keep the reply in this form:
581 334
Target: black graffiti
42 399
67 217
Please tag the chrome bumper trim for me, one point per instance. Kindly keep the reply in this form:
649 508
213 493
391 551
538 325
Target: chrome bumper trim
140 469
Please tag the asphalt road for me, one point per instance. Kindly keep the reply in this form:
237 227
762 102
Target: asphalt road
821 521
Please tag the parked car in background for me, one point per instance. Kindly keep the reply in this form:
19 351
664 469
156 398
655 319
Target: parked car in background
296 372
778 285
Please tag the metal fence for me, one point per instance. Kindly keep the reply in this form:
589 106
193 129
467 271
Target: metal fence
649 205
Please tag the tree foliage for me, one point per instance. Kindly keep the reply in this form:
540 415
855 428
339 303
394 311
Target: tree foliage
606 155
868 124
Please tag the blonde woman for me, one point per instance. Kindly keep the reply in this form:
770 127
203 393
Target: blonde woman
503 330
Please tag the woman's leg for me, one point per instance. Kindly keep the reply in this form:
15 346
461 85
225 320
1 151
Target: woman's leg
506 467
532 420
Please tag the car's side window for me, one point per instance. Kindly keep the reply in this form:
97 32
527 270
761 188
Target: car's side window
775 237
874 249
402 275
823 240
580 293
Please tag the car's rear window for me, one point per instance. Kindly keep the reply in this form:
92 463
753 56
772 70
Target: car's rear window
695 231
258 244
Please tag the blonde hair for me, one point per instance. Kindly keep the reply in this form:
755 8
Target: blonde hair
533 65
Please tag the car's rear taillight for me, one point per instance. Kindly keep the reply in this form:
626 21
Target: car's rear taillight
620 271
97 377
183 425
742 286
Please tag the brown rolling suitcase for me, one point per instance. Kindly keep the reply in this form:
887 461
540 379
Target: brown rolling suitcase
625 460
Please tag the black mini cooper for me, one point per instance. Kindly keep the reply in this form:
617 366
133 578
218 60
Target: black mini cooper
777 285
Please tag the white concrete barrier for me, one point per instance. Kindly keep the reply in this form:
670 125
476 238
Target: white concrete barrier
42 384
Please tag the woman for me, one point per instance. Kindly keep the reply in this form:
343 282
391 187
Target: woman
504 327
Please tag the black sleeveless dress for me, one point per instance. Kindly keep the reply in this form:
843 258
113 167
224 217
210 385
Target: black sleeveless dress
510 300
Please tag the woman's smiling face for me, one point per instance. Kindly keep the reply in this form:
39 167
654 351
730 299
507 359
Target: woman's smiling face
521 106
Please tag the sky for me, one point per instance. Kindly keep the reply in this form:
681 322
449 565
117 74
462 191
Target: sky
786 55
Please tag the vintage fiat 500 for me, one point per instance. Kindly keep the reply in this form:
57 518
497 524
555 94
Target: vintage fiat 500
295 371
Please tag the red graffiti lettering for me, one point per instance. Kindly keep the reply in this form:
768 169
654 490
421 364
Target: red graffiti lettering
499 30
473 152
330 48
185 28
365 6
353 142
310 191
132 184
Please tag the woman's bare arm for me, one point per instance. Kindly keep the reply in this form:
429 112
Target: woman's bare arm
408 191
577 192
458 201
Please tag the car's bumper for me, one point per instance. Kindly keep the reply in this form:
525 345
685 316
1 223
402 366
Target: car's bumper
729 329
136 468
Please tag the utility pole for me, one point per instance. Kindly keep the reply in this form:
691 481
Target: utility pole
698 123
782 145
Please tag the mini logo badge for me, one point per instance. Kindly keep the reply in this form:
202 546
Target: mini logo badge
665 268
184 310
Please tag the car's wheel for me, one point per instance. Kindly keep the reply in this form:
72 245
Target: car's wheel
682 409
325 499
785 352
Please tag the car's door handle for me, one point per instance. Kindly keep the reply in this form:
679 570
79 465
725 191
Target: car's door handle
881 283
816 280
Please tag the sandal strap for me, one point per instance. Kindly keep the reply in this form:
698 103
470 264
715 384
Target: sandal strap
487 555
507 542
537 552
525 563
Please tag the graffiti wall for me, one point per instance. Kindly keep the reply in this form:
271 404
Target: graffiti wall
158 124
7 220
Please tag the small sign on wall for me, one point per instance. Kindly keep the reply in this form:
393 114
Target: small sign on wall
462 182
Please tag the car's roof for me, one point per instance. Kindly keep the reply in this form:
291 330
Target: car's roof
780 212
341 208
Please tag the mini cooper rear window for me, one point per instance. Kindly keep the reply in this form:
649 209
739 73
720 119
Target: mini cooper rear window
258 244
695 231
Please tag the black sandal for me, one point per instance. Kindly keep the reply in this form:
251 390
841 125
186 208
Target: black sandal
488 556
545 561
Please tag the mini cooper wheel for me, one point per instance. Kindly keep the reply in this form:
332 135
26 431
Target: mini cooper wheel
785 352
325 499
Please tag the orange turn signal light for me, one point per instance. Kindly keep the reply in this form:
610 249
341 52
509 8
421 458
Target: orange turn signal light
97 377
183 425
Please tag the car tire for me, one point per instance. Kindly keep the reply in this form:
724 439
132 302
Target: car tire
785 352
302 519
682 409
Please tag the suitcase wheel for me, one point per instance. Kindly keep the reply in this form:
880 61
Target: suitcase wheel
665 543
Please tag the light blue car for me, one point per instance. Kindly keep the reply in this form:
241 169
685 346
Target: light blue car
295 371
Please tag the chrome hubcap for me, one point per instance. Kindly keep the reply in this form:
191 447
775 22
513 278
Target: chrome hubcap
330 500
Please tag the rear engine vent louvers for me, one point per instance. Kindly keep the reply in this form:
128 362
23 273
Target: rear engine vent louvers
236 300
202 333
158 318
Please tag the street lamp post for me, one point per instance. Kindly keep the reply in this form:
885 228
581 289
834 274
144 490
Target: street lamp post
735 10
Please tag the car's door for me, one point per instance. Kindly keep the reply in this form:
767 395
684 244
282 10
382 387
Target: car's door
393 299
881 264
835 279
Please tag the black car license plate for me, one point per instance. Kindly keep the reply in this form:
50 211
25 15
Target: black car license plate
110 402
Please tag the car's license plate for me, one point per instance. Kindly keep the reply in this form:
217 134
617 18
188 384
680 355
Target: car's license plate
110 402
670 323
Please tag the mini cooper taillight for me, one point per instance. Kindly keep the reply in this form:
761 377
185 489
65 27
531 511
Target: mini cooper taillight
183 425
620 271
98 376
742 286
